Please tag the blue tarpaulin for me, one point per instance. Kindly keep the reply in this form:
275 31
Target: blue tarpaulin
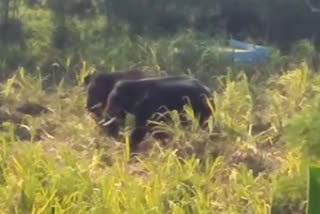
248 53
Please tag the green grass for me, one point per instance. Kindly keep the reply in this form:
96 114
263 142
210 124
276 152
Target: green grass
66 165
254 159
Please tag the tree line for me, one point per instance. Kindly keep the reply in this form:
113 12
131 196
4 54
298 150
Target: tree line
279 22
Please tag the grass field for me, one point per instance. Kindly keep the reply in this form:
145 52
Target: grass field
252 161
262 135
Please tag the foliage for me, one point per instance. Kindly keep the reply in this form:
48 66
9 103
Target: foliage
234 105
261 136
302 130
67 165
40 30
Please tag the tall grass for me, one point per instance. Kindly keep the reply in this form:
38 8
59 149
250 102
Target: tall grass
235 104
69 166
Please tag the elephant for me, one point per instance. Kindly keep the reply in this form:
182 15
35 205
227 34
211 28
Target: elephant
145 97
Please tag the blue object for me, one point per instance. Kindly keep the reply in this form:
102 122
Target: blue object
248 53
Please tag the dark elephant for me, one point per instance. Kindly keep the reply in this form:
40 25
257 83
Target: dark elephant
100 84
144 97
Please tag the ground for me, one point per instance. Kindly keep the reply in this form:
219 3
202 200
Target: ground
59 160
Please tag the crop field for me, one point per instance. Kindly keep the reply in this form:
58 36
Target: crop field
253 157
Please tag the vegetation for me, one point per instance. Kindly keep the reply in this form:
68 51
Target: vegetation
263 133
37 33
